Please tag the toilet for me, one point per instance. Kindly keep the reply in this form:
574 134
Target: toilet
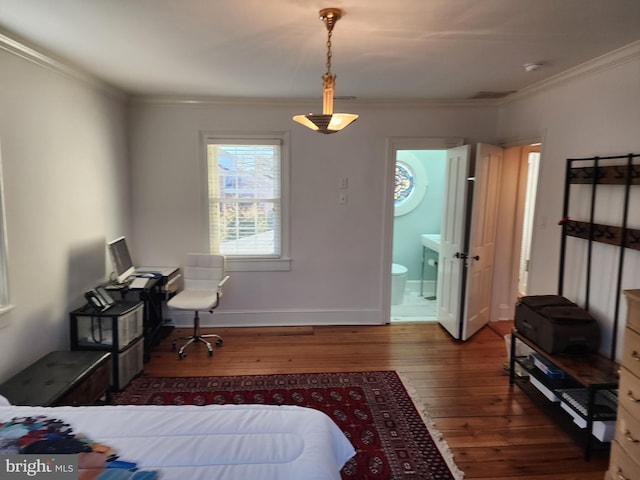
398 282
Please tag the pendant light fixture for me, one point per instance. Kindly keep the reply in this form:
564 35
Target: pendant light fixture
328 122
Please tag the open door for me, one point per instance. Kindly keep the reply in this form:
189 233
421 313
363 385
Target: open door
467 242
482 238
452 240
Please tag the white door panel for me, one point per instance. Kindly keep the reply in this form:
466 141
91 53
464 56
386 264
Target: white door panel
465 270
452 235
484 207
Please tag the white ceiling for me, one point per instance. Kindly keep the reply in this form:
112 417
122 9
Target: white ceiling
390 50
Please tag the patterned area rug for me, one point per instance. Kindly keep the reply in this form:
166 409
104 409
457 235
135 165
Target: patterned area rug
373 409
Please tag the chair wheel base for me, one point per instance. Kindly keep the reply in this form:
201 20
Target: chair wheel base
196 339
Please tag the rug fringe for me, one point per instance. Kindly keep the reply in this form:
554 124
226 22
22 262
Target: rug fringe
440 442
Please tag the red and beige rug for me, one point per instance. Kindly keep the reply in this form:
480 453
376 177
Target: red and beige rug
373 409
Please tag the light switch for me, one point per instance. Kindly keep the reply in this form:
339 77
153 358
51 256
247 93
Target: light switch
343 182
342 199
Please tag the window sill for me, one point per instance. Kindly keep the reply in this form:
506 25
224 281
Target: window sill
5 319
258 264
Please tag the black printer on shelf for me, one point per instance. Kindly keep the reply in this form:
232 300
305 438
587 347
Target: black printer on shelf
556 324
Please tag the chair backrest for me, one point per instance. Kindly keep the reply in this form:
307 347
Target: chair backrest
203 271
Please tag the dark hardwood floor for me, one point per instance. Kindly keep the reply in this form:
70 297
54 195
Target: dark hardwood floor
495 432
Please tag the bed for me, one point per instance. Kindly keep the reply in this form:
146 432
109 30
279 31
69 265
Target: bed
210 442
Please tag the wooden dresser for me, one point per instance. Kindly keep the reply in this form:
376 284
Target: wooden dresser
625 449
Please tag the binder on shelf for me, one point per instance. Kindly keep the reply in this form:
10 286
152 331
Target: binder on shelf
546 367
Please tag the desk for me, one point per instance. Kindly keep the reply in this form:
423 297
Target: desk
153 296
168 284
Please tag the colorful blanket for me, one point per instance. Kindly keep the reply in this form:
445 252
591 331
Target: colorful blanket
49 436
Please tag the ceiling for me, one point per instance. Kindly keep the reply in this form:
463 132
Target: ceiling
382 50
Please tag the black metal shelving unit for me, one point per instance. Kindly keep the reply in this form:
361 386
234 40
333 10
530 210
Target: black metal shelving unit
624 171
589 391
591 381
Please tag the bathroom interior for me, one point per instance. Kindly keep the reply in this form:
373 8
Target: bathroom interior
418 204
418 208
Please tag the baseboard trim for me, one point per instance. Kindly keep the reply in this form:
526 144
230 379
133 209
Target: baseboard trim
278 318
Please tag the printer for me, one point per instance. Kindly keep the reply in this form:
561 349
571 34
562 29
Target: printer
169 278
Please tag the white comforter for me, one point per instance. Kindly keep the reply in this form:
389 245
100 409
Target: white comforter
212 442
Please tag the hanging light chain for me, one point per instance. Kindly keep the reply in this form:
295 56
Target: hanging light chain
330 16
329 55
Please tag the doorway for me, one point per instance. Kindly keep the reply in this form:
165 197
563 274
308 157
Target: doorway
417 203
517 199
403 249
532 155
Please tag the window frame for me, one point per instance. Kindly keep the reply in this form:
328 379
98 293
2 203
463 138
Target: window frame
5 299
239 263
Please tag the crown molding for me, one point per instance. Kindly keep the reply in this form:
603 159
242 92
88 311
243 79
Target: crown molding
610 60
21 48
312 103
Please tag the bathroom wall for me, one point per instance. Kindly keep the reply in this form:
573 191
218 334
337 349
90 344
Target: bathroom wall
425 218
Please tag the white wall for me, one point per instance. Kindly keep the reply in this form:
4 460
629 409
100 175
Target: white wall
66 185
338 251
594 110
65 151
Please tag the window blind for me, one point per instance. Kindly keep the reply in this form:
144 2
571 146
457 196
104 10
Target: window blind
244 197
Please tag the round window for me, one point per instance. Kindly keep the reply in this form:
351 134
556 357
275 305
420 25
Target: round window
410 184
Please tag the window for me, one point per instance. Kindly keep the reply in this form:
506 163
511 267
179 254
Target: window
247 185
405 183
5 306
411 181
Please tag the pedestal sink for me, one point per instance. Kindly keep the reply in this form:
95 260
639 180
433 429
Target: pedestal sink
431 241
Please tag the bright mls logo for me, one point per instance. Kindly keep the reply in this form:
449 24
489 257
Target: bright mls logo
50 467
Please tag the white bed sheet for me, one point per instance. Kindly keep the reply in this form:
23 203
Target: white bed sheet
212 442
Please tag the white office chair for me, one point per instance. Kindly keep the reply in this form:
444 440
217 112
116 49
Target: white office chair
204 277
